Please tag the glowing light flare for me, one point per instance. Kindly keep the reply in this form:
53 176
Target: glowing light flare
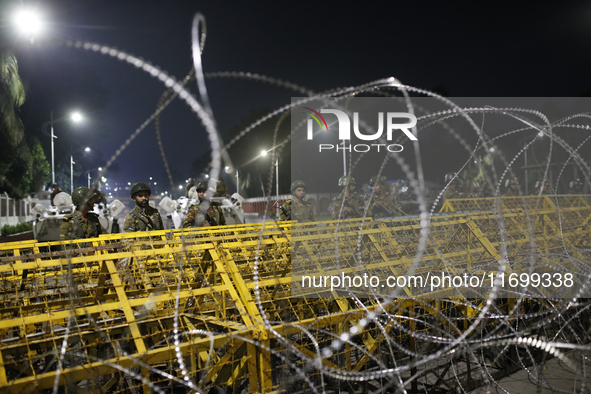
76 117
28 22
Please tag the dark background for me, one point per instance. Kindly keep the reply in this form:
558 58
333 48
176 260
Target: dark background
455 48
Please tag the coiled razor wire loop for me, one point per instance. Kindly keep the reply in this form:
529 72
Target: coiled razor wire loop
457 343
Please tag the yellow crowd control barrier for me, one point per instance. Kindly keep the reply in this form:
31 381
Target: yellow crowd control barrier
187 310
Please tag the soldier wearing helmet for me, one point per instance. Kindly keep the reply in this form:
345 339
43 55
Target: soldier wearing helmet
196 216
511 185
297 208
190 184
453 185
382 202
143 217
54 192
82 223
575 187
348 204
541 187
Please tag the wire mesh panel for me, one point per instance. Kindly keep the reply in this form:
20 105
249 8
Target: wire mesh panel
229 307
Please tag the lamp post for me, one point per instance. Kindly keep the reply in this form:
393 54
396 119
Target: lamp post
88 174
72 162
75 117
72 174
264 153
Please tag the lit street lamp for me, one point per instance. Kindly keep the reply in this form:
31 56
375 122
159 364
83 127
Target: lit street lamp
28 22
264 153
100 169
72 162
75 117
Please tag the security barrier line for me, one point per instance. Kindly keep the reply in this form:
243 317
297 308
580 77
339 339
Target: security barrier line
120 291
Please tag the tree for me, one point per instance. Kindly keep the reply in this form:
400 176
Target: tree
21 161
40 165
13 152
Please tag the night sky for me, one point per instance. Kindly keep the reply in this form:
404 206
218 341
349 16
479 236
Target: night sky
479 49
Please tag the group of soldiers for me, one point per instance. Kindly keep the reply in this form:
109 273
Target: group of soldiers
482 188
380 203
84 223
349 204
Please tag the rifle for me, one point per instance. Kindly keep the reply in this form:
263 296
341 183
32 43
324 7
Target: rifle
383 208
210 220
348 204
286 213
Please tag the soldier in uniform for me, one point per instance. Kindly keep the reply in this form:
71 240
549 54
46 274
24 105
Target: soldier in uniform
213 217
54 192
297 208
189 186
541 186
482 189
143 217
452 189
575 187
82 223
221 190
511 185
348 199
382 202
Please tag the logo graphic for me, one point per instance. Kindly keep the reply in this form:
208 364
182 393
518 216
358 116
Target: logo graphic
345 124
316 119
395 121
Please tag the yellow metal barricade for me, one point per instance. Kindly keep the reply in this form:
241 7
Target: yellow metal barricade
227 306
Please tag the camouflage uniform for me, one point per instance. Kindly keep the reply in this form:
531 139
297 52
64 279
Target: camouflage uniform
221 190
148 220
451 193
352 201
511 193
74 227
53 194
213 211
485 191
382 202
302 212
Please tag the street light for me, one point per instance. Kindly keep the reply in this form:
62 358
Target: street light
75 117
100 169
72 162
28 22
263 154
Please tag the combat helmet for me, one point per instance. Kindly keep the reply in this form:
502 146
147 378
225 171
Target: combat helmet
450 176
81 195
377 179
539 184
140 187
346 180
576 182
511 181
297 184
201 186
